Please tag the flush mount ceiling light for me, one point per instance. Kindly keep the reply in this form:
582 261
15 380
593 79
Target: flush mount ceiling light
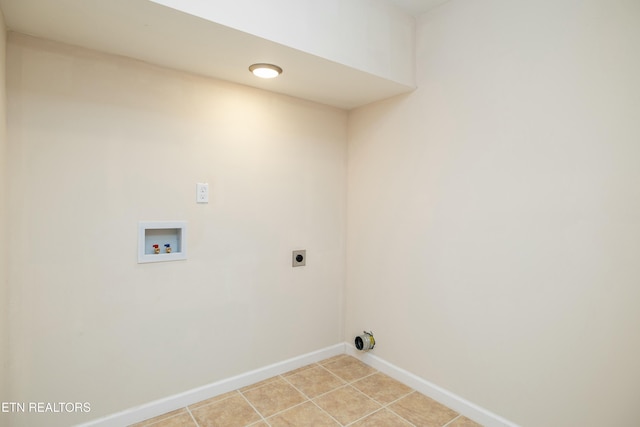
265 71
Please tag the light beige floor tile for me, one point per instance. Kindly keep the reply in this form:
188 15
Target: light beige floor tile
332 359
260 384
170 419
184 420
231 412
382 388
213 400
349 368
423 411
305 415
315 381
463 422
382 418
346 404
325 383
274 397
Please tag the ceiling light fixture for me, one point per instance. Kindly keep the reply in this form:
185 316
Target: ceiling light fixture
265 71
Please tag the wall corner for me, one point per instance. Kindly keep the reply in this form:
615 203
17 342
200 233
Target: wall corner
4 264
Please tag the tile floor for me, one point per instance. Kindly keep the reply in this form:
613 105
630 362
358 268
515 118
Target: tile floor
340 391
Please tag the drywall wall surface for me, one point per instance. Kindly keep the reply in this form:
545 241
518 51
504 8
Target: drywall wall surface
494 214
4 224
98 143
369 35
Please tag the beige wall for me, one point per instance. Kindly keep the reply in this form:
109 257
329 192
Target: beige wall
492 220
494 214
98 143
4 265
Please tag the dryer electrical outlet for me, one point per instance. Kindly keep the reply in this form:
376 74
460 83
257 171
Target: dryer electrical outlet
299 258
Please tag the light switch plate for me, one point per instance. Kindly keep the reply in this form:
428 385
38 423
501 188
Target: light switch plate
202 192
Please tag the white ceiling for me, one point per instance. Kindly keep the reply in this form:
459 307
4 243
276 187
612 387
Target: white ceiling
156 34
417 7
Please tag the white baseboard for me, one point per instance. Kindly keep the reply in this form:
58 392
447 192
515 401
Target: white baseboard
451 400
171 403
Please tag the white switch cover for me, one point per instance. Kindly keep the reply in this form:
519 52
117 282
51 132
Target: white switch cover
202 192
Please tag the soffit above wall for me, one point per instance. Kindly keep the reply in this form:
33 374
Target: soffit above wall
160 35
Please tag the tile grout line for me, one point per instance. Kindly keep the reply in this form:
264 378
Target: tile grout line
320 364
254 408
459 415
285 410
270 379
330 416
400 416
283 377
309 399
351 384
161 420
406 420
387 405
382 405
332 359
365 416
366 376
331 391
279 412
192 417
335 375
215 401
